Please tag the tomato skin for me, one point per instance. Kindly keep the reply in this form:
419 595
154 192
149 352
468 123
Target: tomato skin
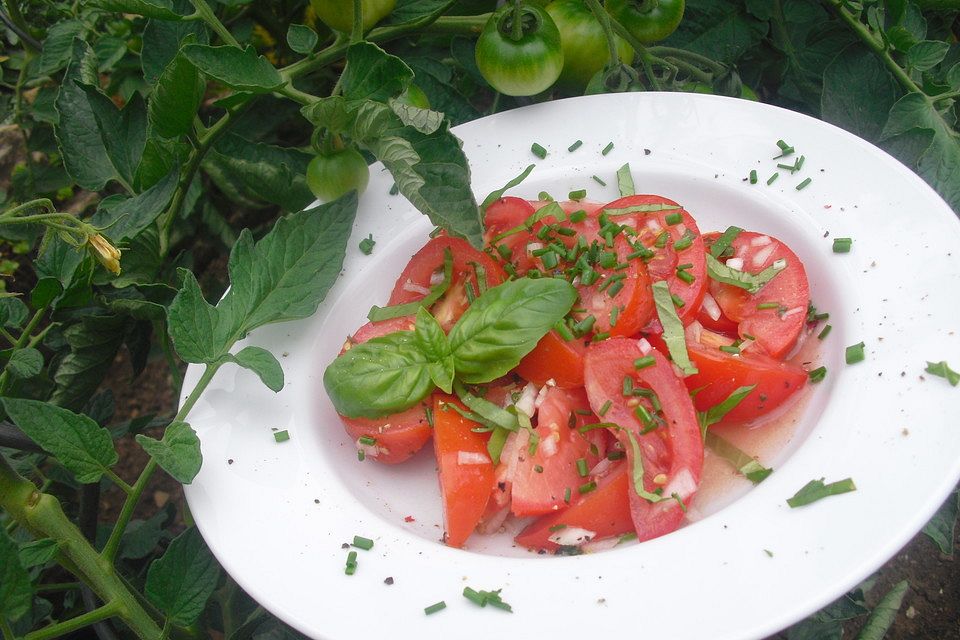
647 26
585 50
675 451
338 14
554 359
605 511
331 175
400 435
522 67
465 487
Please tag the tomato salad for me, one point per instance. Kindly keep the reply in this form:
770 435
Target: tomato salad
571 371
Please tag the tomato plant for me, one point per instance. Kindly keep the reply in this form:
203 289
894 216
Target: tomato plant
584 43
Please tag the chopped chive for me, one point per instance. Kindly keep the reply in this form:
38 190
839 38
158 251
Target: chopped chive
579 194
582 467
557 527
783 145
616 455
821 316
351 566
281 436
673 218
824 332
627 386
366 245
587 487
677 301
644 415
564 331
537 468
686 276
603 335
614 314
566 495
818 374
585 325
599 181
661 240
538 151
615 289
429 413
607 149
855 353
753 176
842 245
550 260
367 440
730 349
644 362
789 167
361 455
576 145
803 184
362 543
470 293
474 597
685 241
546 197
768 305
800 162
578 216
582 412
438 606
606 407
773 178
504 251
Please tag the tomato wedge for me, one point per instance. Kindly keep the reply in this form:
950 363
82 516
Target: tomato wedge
663 266
605 512
671 450
784 299
426 266
541 480
465 470
399 436
554 359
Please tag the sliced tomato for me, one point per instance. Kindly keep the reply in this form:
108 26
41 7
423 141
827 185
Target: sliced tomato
465 470
711 315
787 295
426 266
605 512
541 480
720 374
505 214
663 266
671 454
554 359
399 436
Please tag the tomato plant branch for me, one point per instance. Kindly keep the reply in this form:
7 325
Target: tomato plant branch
7 336
20 344
117 480
878 48
604 19
5 628
356 34
21 28
109 610
692 70
205 13
689 56
646 59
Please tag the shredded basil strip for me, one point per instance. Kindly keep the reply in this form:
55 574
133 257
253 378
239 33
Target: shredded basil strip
496 194
495 444
377 314
598 425
642 208
672 327
486 409
474 417
553 209
745 464
637 470
715 414
724 241
625 181
749 281
943 370
817 490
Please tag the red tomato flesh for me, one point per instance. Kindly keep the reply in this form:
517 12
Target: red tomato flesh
554 359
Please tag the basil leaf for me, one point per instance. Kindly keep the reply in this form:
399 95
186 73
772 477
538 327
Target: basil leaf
746 465
943 370
496 194
749 281
720 244
380 377
433 343
625 181
178 452
505 323
495 444
715 414
672 327
817 490
181 582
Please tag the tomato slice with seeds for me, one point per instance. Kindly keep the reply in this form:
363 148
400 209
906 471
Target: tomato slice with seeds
560 446
399 436
663 266
465 470
426 266
672 452
787 295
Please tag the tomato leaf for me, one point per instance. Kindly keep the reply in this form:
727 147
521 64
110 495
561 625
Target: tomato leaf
126 218
858 92
181 582
673 334
13 313
123 132
176 98
373 74
178 453
58 45
942 526
745 464
817 490
162 40
504 324
380 377
261 362
422 11
301 38
16 592
79 443
883 615
240 69
927 54
282 277
25 363
160 9
38 553
93 343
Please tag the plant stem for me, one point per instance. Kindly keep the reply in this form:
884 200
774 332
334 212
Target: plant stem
126 512
7 336
41 203
682 54
53 587
692 70
17 18
604 18
877 47
646 59
356 34
117 480
517 26
108 610
207 15
5 628
160 327
24 337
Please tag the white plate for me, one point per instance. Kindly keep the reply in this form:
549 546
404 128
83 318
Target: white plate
275 515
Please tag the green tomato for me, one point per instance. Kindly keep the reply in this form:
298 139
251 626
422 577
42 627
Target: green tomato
584 43
647 20
702 87
338 14
415 97
331 175
525 66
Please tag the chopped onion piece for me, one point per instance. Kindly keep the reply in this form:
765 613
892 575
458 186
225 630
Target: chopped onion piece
792 312
472 457
682 484
436 277
681 228
572 536
644 346
551 382
533 246
763 255
601 467
369 450
415 288
541 396
696 330
760 241
653 225
600 545
735 263
528 399
548 445
711 307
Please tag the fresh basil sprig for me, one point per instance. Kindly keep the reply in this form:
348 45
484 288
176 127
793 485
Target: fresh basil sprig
392 373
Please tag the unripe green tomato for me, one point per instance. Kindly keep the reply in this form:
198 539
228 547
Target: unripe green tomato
522 67
338 14
648 20
584 43
702 87
329 176
414 97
